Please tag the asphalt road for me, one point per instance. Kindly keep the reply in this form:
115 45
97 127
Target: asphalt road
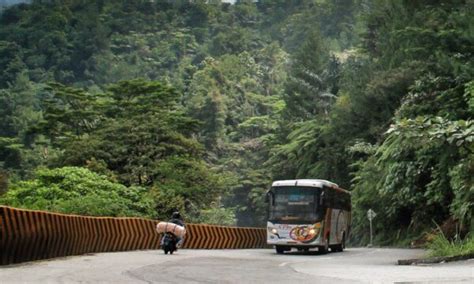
356 265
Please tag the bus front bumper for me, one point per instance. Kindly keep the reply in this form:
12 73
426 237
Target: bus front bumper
291 243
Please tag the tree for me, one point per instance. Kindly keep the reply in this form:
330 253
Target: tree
312 87
78 191
421 165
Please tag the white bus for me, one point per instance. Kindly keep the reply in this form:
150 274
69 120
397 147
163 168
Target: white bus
308 213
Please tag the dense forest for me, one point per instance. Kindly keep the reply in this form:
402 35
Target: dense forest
140 108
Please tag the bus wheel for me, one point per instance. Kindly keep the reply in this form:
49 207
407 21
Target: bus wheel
343 244
340 247
325 248
279 249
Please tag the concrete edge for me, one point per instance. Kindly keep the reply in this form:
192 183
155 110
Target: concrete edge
435 259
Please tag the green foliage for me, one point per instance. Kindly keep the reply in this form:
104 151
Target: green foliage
78 191
142 118
166 202
68 113
218 216
227 60
312 87
421 169
376 96
189 186
3 182
441 246
20 112
11 63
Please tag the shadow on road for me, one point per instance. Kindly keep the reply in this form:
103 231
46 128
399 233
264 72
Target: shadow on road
310 252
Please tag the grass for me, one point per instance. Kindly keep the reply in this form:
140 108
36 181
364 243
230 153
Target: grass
441 246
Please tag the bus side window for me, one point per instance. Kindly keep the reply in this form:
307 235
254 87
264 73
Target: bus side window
340 200
328 197
347 202
336 199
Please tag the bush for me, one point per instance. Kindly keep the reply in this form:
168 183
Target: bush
78 191
218 216
441 246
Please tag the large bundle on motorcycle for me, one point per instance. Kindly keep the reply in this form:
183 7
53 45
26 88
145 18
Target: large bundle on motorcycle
166 227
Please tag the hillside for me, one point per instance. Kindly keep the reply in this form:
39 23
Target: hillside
199 105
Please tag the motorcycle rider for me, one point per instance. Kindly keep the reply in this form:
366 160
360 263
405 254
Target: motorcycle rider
178 220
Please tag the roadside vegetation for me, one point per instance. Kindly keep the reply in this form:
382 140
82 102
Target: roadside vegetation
442 246
198 105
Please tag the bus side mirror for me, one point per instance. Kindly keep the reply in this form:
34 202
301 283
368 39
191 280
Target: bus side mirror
321 199
269 197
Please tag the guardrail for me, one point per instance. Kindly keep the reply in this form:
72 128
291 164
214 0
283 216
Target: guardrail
27 235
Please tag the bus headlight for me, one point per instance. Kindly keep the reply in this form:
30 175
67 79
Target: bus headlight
274 231
304 234
315 229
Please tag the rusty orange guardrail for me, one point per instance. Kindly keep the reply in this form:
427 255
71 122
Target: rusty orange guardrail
27 235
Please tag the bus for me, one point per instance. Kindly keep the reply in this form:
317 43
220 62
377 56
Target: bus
308 213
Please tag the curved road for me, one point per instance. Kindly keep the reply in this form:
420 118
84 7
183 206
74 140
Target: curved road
356 265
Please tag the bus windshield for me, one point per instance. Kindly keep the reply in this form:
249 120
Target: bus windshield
294 204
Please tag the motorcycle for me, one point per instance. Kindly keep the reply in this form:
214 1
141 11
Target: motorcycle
168 243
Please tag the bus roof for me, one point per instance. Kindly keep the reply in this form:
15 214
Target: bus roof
304 182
